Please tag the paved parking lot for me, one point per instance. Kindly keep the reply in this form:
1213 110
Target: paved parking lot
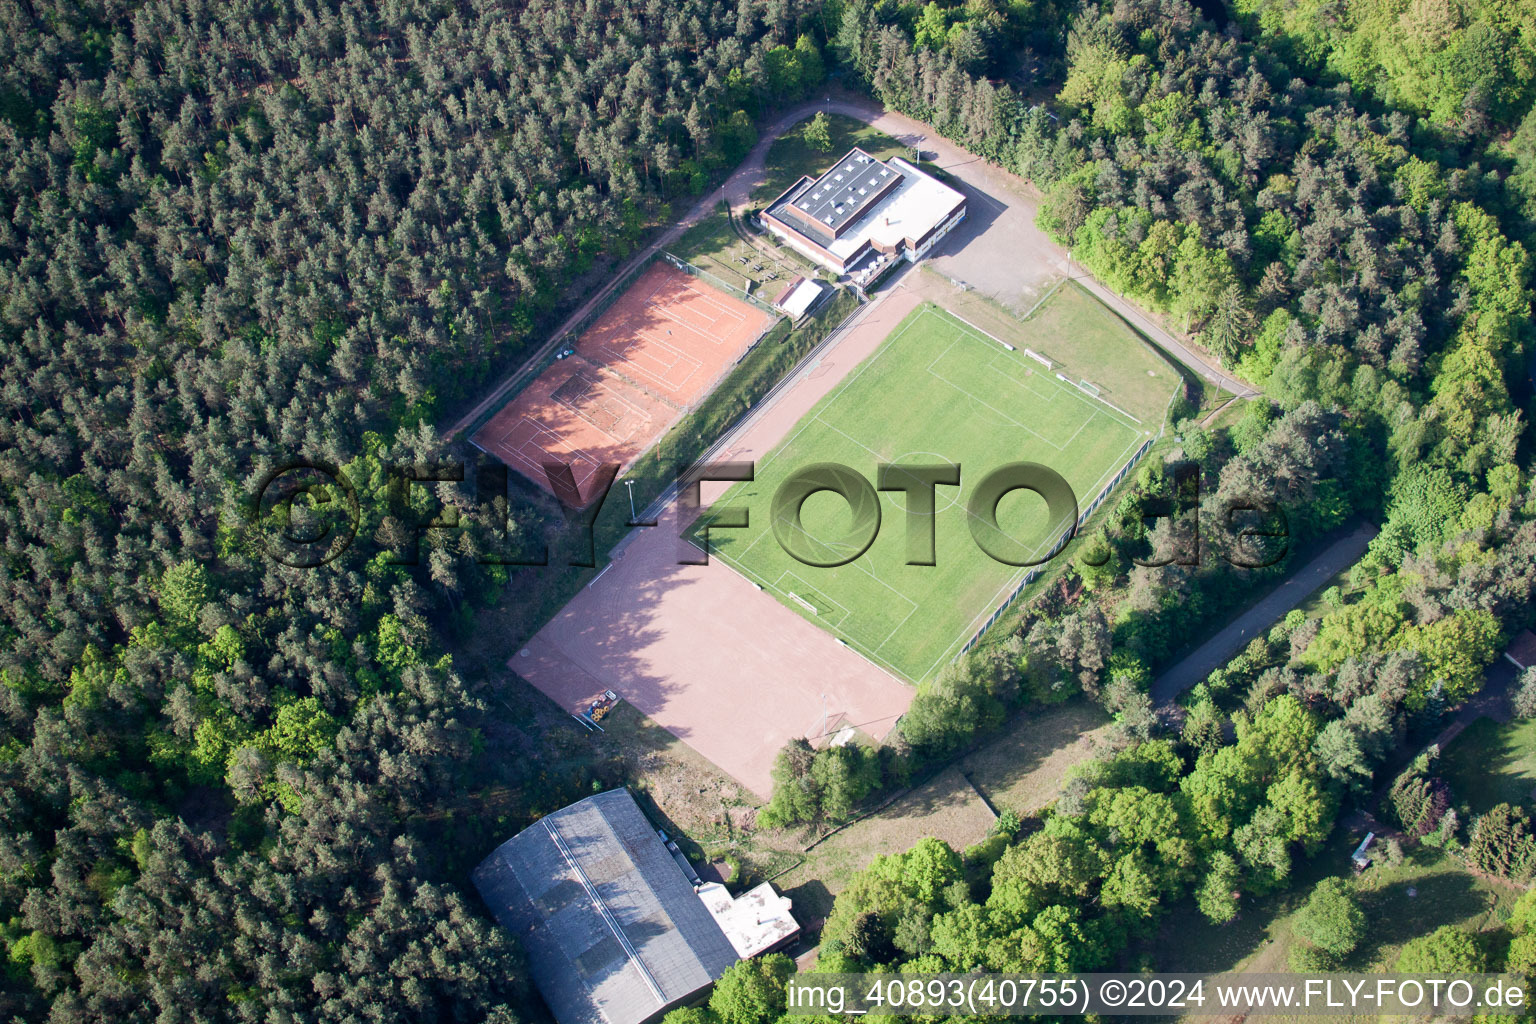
999 251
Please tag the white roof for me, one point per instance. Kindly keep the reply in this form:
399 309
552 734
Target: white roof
757 920
801 298
915 207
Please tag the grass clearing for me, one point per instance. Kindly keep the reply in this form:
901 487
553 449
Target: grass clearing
761 267
938 390
1491 763
1316 605
713 244
1023 769
946 807
1073 329
1260 940
1229 415
1084 339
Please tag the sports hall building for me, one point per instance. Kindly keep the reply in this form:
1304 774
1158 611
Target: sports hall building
864 209
618 927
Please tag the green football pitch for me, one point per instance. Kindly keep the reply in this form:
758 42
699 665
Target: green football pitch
936 391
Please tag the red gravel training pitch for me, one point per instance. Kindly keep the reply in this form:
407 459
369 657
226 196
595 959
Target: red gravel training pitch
703 653
721 665
649 358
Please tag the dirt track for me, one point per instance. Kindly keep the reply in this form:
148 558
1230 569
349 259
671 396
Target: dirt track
1001 206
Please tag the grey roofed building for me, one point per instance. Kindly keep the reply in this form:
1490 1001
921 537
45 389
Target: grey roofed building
614 931
830 204
864 209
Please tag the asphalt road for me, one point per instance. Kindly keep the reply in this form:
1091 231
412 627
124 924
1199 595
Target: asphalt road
1300 585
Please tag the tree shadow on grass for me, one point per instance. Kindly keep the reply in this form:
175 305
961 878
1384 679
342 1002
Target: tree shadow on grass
1489 763
1023 746
1446 897
1191 943
1187 941
946 790
812 902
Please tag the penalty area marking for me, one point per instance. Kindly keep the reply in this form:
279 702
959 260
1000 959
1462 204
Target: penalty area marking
1097 397
978 330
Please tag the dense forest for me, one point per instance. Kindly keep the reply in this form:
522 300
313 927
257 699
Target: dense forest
238 235
1469 66
1360 255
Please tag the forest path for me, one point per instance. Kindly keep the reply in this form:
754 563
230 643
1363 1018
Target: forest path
1293 590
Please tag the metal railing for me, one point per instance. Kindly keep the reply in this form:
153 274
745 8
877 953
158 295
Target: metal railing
669 493
1035 572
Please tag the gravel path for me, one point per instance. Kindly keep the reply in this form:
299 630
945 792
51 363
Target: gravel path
999 250
1300 585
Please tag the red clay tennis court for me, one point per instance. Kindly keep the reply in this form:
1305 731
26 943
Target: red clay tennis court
649 358
575 414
